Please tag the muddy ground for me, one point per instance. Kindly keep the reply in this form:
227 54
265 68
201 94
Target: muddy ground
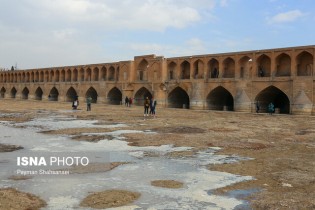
282 146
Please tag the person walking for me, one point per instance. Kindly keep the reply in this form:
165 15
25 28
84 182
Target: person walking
126 101
130 101
271 108
152 107
75 103
88 103
146 106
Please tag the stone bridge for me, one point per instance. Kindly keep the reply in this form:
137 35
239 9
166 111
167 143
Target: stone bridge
227 81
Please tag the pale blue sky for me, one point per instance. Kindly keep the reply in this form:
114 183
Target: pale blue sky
48 33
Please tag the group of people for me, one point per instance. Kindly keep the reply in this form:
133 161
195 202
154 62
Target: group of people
270 108
75 103
149 104
128 101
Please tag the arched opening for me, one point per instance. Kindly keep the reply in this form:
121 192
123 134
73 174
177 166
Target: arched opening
2 92
171 71
229 68
273 95
198 69
71 95
46 76
75 75
36 76
88 75
114 96
25 93
63 76
185 70
51 76
27 77
305 64
41 76
81 75
283 62
95 74
178 98
57 77
213 68
103 73
111 76
68 75
38 94
264 66
220 99
140 95
91 92
245 64
142 70
53 94
13 92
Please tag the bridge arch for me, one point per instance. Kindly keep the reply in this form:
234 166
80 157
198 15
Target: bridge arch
38 94
305 64
220 99
276 96
185 70
178 98
140 95
53 94
264 65
213 68
283 62
91 92
25 93
114 96
13 92
171 68
244 67
228 68
71 95
2 92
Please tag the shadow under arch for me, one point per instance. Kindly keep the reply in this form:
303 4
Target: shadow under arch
140 95
71 95
13 92
2 92
276 96
91 92
38 94
25 93
114 96
53 94
220 99
178 98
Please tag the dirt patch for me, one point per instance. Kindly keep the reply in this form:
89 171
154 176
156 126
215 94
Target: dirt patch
9 148
92 138
179 129
109 199
11 199
167 184
18 178
177 154
95 168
